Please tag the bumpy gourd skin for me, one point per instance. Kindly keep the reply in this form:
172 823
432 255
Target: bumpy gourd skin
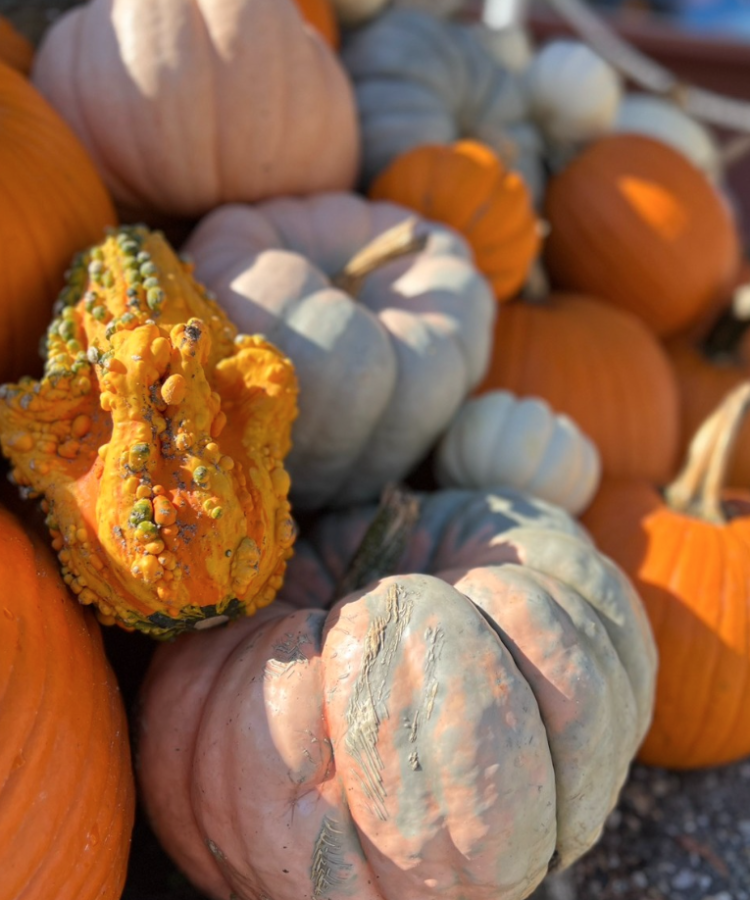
157 437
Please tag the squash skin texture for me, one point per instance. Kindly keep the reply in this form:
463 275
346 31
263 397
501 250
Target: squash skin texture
382 368
67 794
157 440
186 105
357 751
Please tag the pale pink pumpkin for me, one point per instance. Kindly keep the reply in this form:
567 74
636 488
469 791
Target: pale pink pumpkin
444 735
186 104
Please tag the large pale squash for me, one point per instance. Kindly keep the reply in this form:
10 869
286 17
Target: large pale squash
157 438
67 796
449 731
184 105
54 204
383 360
420 79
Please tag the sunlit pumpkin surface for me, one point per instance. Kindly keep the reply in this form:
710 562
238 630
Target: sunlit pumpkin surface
163 515
660 208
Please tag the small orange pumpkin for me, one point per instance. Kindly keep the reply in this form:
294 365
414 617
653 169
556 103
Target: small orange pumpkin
687 550
466 186
320 14
15 50
67 796
54 204
599 365
633 222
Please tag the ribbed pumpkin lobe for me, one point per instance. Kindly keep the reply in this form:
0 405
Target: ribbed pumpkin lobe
163 515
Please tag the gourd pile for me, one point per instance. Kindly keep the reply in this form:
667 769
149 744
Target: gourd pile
283 256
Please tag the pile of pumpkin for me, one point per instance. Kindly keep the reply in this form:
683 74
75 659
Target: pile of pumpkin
439 695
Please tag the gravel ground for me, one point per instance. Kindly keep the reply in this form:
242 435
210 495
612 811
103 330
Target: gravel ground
673 836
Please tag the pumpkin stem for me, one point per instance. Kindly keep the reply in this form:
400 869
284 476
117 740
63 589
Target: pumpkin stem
384 541
401 240
697 489
536 289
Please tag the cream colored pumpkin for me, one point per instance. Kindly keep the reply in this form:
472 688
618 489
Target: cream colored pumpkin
382 366
664 121
500 440
186 104
573 93
420 79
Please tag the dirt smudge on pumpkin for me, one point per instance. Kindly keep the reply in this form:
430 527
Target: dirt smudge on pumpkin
330 870
367 707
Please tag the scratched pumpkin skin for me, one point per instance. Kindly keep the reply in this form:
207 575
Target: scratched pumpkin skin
433 735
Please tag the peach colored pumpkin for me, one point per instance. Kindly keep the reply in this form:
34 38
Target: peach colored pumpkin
634 223
320 14
449 731
67 795
184 105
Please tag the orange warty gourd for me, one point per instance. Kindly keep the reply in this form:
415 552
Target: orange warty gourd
54 204
466 186
67 796
633 222
599 365
15 49
320 14
687 550
157 437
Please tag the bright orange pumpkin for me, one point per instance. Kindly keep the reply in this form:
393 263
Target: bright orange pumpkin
54 204
599 365
15 50
633 222
66 786
687 550
465 185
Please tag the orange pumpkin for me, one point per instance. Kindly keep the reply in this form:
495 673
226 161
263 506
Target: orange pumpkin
15 50
687 550
320 14
466 186
54 204
599 365
633 222
66 784
157 437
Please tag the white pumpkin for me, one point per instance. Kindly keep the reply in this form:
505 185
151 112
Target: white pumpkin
663 120
382 366
511 47
420 79
500 440
573 93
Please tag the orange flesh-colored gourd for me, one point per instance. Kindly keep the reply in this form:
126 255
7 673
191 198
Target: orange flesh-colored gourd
67 796
320 14
157 437
691 566
466 186
599 365
15 49
634 223
54 204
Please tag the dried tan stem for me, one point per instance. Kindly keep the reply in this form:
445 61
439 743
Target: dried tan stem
697 489
401 240
384 541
